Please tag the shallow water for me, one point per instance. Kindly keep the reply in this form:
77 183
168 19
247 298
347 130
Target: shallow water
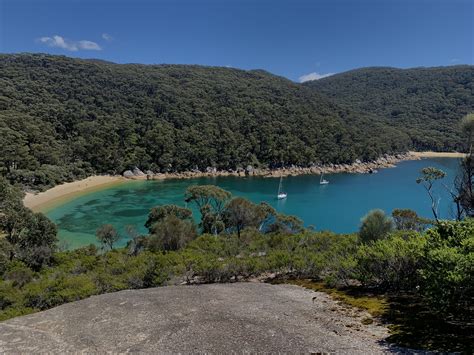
338 206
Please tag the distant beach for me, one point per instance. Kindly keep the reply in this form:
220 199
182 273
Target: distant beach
60 193
438 154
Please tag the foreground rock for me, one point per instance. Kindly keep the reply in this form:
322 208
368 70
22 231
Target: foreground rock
241 317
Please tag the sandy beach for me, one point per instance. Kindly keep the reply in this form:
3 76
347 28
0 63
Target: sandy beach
438 154
49 198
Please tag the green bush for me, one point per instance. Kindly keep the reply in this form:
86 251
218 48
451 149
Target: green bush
448 268
171 233
9 296
55 290
6 250
391 263
375 225
19 274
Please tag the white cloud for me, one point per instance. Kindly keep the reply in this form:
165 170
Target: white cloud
314 76
107 37
88 45
73 46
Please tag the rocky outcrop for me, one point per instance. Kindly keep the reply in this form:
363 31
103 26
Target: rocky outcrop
358 167
249 170
220 318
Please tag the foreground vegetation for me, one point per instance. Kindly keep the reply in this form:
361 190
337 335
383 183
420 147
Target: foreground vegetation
237 240
62 118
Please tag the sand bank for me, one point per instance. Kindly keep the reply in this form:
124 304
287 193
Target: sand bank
438 154
48 199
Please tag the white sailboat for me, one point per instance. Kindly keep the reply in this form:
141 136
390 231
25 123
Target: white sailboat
281 195
322 181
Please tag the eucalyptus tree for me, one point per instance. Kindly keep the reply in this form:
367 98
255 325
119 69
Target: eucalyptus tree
406 219
465 180
171 227
428 178
172 233
31 236
462 191
157 214
467 126
107 235
211 201
241 213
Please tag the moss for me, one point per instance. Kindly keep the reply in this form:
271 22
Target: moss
16 312
374 304
411 322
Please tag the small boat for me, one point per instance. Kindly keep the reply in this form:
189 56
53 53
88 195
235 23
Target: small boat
281 195
322 181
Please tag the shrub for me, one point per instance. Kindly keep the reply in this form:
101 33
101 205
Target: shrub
19 274
375 225
448 268
391 263
9 295
171 233
6 251
50 292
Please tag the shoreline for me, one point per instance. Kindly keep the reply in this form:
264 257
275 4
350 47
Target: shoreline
44 201
430 154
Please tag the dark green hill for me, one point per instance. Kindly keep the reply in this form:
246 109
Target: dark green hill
425 103
62 118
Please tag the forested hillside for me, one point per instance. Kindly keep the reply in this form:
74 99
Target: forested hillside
63 118
426 103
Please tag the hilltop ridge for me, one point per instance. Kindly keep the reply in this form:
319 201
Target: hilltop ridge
66 118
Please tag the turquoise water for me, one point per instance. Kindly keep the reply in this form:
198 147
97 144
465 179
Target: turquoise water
338 206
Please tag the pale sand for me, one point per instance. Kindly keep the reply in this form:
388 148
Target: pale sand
48 199
438 154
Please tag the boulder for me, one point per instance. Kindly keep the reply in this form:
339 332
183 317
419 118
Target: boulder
128 174
138 172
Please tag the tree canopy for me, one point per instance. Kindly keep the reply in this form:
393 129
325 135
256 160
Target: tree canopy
424 103
63 118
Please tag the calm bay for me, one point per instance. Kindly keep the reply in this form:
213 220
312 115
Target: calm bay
338 206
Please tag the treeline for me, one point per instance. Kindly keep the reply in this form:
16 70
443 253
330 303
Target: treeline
424 103
400 256
64 118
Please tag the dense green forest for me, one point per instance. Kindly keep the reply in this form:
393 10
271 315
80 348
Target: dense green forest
425 103
63 118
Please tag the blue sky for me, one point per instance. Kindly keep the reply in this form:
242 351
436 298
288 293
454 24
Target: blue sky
292 38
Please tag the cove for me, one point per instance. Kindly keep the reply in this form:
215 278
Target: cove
338 206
